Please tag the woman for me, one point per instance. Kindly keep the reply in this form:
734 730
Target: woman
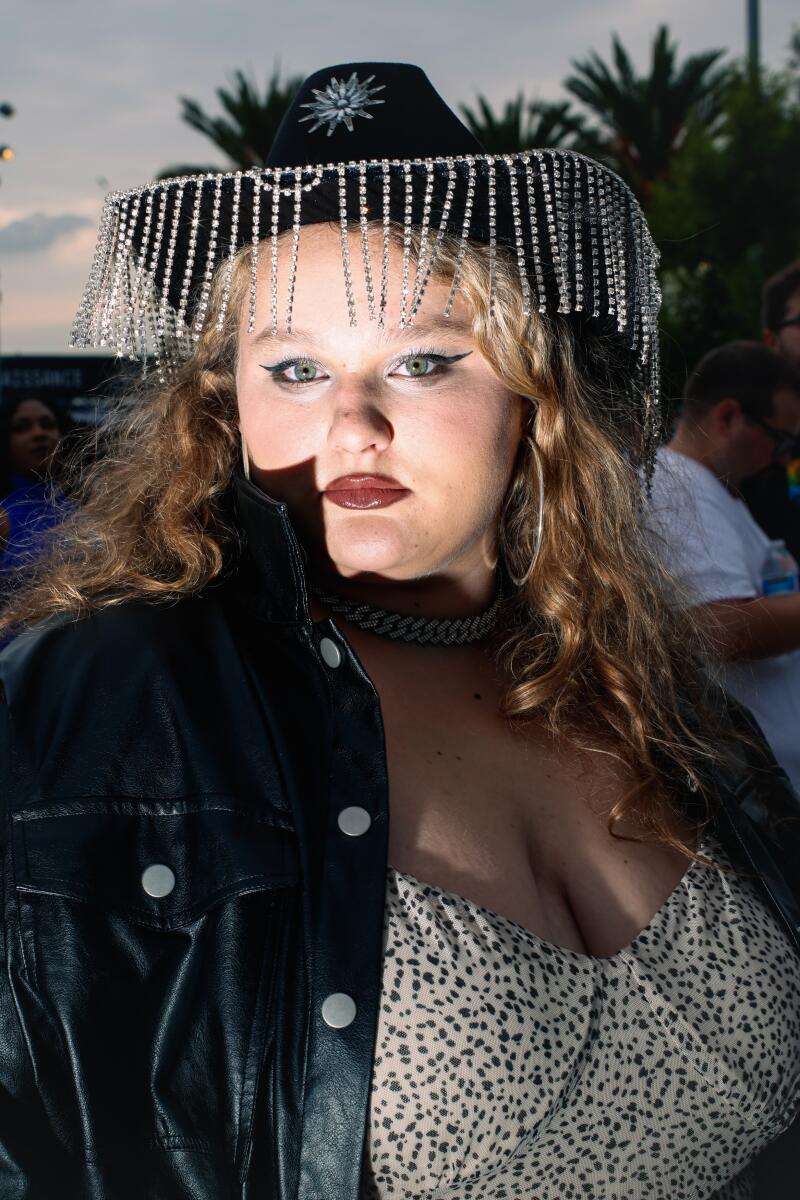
397 554
30 434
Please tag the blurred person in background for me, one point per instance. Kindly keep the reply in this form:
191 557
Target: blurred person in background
780 313
741 414
773 495
31 501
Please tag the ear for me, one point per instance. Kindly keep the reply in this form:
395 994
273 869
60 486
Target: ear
770 338
526 409
725 414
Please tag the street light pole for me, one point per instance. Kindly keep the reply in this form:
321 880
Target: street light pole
6 154
753 36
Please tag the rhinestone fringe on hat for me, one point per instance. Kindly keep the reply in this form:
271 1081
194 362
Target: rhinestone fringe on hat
574 230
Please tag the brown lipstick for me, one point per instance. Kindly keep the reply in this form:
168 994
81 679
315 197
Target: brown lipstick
365 491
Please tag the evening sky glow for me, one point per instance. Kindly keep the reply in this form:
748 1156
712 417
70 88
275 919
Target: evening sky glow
96 91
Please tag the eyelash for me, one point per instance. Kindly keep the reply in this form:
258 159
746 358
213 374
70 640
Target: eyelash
441 363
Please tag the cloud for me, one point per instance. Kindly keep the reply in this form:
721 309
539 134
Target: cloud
38 231
76 249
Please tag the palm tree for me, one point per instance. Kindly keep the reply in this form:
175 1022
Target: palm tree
246 133
522 126
643 120
793 62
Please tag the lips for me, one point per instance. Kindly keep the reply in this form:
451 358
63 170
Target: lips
365 491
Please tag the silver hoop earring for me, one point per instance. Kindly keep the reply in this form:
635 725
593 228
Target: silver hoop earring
245 459
520 581
537 545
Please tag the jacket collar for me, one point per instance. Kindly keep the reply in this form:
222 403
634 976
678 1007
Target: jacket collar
271 571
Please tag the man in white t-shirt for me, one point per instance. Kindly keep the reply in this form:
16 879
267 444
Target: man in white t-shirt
741 413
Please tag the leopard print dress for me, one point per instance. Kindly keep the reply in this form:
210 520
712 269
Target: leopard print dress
508 1068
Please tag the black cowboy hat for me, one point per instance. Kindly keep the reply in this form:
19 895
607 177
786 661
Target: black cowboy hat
374 142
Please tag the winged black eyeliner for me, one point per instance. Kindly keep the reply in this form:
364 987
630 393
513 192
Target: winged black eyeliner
439 358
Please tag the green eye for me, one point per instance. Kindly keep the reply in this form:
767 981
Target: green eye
417 365
294 372
303 371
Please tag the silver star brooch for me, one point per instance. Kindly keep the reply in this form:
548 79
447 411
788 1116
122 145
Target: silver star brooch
340 102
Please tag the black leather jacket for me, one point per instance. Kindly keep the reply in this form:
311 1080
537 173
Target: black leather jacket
175 1047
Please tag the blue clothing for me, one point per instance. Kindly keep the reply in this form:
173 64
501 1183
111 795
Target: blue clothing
33 506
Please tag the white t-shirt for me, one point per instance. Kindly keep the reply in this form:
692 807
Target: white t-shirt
710 542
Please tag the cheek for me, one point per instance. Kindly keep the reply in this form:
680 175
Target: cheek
486 424
278 432
477 442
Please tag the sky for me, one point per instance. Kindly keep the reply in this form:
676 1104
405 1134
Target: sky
95 87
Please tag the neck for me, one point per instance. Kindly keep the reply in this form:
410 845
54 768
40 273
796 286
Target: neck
435 596
417 627
693 442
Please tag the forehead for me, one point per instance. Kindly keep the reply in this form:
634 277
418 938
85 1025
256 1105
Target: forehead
31 408
326 312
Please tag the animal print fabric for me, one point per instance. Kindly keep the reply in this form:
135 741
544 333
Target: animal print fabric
508 1068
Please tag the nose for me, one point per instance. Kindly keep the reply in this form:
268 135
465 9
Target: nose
358 424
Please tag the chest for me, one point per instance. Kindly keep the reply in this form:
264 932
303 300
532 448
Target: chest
509 820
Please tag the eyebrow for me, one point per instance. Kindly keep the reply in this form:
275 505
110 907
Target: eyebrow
389 336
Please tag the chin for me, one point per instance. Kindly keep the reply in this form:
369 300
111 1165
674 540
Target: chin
368 555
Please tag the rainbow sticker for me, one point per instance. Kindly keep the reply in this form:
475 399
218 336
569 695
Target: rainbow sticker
793 479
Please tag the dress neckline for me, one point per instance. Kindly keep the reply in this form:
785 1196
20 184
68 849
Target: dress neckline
658 917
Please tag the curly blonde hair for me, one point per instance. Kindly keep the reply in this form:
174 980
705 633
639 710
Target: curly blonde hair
591 647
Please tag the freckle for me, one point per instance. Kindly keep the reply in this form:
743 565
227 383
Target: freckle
439 752
458 757
477 695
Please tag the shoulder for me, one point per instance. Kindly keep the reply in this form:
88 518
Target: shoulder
117 649
108 704
704 534
680 483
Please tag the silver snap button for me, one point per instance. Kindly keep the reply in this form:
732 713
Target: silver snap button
338 1010
331 655
158 880
354 820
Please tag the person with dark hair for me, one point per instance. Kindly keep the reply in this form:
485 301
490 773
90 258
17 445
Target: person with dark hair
741 412
780 313
31 502
773 495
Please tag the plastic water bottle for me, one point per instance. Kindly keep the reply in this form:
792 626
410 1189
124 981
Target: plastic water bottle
780 572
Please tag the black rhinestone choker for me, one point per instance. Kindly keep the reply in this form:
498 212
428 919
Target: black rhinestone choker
425 631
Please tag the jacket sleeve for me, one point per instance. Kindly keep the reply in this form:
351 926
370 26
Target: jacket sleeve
763 788
32 1159
762 810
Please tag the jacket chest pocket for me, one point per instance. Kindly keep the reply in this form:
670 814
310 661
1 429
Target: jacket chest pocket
149 946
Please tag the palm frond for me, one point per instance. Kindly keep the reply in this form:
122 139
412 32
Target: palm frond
642 120
250 119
